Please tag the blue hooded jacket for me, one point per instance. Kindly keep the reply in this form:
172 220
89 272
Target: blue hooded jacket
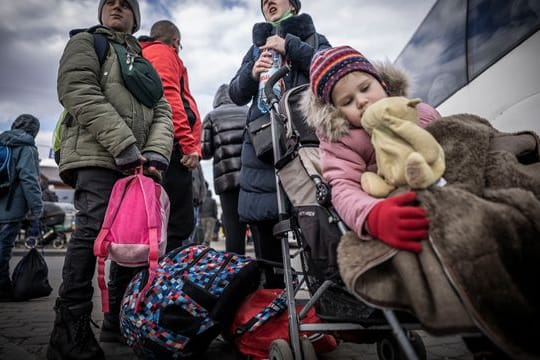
27 194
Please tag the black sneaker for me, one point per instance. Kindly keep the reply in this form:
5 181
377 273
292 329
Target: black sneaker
71 337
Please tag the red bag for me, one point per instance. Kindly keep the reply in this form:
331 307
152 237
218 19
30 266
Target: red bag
256 343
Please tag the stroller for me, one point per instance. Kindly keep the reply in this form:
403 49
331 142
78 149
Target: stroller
53 226
317 229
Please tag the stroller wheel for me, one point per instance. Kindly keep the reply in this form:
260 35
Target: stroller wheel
388 347
280 350
308 351
30 242
59 241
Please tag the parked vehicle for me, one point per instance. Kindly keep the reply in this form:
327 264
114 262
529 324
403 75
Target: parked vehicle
54 227
483 62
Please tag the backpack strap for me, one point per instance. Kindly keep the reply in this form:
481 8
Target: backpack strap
101 251
275 308
101 45
101 42
148 186
9 168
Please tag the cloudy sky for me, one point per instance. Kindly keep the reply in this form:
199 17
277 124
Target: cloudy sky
215 36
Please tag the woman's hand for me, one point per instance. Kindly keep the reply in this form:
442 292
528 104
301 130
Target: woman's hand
275 42
263 63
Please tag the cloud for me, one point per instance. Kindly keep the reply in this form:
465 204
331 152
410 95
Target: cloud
215 35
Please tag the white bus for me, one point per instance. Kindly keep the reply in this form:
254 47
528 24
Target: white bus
480 57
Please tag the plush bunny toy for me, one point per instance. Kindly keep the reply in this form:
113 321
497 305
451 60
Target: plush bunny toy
406 153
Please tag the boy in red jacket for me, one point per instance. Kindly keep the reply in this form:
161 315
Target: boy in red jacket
161 49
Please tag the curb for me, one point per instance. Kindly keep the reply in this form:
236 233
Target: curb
46 252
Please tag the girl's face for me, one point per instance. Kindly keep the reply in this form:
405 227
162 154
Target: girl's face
354 92
117 15
273 10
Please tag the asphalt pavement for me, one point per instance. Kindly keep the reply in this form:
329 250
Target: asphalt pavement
25 327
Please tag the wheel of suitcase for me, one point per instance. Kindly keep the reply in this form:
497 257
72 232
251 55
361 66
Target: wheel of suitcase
280 350
388 347
308 351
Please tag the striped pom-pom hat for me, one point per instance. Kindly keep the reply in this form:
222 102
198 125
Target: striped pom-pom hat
330 65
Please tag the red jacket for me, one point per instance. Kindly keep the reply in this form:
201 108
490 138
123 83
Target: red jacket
174 77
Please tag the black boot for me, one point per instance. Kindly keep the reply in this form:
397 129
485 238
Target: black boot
6 294
110 329
120 277
72 338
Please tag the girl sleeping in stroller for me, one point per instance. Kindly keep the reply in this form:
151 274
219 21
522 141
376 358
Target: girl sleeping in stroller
460 257
344 83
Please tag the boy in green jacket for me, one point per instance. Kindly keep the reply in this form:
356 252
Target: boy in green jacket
111 133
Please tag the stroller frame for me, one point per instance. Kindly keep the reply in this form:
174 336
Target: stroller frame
282 230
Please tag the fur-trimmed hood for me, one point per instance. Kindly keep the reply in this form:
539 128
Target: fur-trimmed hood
327 119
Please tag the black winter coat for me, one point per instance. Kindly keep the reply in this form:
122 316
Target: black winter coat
257 200
223 130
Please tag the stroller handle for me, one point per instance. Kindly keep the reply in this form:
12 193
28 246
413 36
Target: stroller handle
268 87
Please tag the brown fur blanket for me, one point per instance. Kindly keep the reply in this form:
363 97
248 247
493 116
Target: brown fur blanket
479 267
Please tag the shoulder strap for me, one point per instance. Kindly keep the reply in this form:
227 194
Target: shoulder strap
9 167
101 45
275 308
101 42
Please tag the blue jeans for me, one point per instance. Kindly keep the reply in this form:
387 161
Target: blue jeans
8 234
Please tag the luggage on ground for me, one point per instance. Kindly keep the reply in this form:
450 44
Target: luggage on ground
263 318
30 278
192 298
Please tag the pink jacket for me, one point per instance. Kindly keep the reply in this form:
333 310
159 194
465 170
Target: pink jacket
346 152
342 163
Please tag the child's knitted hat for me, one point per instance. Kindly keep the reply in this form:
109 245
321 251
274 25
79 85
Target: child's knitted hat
328 66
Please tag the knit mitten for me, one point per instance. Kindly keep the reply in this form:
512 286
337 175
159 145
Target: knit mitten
399 224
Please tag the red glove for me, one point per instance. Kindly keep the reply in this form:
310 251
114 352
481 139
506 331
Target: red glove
397 224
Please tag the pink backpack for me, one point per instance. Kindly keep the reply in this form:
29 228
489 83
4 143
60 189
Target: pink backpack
134 231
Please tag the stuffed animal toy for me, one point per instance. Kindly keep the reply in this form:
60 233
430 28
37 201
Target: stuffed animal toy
406 154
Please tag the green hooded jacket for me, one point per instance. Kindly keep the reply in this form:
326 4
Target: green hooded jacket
107 118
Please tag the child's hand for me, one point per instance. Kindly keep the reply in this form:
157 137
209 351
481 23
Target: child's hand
399 224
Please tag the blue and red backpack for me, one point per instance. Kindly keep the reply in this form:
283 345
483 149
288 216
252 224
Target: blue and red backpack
193 297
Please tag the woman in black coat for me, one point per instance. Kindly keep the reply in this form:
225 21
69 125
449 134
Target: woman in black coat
295 38
223 130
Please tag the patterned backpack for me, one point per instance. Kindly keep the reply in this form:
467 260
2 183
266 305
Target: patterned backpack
134 231
193 297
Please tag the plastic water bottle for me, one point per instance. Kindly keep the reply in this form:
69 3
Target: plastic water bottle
262 101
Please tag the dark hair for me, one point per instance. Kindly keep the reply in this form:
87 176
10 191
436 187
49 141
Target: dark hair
164 31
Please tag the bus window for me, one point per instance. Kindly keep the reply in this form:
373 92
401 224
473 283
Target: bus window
436 54
479 57
496 27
